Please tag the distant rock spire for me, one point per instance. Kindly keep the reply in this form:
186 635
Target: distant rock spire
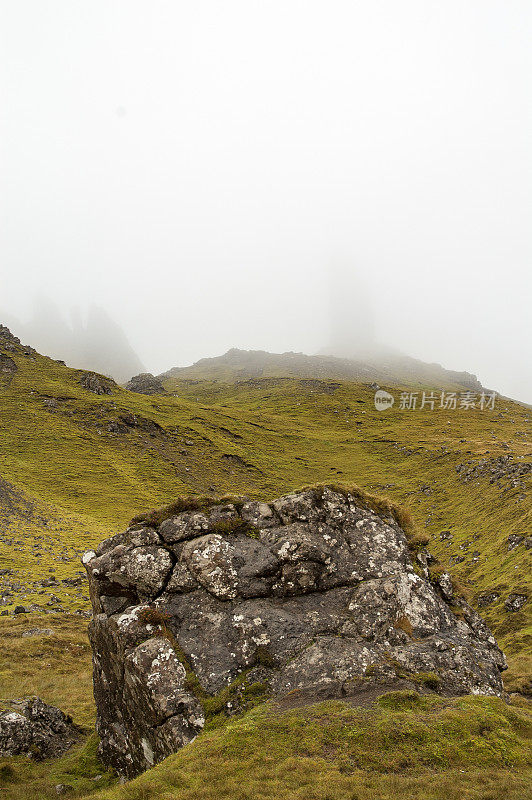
100 345
107 349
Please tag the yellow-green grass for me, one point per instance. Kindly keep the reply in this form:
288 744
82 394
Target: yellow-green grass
260 438
71 481
405 746
55 666
79 770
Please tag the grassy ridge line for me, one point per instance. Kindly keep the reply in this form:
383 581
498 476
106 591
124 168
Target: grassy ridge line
388 367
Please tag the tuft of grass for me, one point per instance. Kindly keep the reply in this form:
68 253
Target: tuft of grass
156 516
153 616
401 700
404 624
418 541
265 658
235 525
428 679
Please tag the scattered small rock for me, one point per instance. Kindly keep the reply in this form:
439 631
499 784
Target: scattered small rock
37 632
515 602
500 470
487 599
456 559
7 364
514 541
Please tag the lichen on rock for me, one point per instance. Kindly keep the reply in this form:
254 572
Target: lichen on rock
33 728
314 593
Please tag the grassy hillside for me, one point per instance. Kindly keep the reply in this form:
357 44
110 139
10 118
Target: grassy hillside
399 746
76 466
404 746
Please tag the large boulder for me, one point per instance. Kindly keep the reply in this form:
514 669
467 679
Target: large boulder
314 594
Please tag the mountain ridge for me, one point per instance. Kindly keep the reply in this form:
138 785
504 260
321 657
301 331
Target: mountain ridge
387 367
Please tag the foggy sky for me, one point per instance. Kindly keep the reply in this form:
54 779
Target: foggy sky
197 169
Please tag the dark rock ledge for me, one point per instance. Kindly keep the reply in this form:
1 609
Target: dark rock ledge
312 594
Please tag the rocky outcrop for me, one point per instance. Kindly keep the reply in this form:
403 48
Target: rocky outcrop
145 383
36 729
7 364
8 367
96 383
314 594
500 470
515 602
7 340
97 344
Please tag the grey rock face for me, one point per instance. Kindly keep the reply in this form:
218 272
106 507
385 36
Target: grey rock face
37 730
145 383
311 593
6 337
7 364
95 383
515 602
514 541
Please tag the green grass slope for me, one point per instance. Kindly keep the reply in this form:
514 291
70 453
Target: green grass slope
50 657
404 746
76 466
